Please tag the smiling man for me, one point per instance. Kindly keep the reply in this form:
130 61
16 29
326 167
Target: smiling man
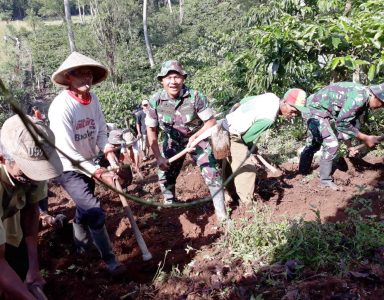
77 120
183 114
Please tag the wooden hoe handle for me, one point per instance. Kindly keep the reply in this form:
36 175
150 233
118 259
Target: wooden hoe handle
128 212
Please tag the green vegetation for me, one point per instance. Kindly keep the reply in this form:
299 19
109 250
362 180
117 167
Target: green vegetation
230 48
312 244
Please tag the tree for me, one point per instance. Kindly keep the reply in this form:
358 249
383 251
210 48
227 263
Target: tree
181 11
68 19
146 37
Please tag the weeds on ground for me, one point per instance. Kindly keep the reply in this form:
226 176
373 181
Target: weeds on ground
281 145
314 244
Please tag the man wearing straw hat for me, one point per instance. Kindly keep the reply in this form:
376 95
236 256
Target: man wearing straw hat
77 120
27 160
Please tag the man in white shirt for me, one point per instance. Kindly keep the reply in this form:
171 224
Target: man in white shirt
77 120
247 120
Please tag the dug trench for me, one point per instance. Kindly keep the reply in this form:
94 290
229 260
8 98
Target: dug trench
180 238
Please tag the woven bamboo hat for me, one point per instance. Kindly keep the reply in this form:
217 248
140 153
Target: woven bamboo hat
76 60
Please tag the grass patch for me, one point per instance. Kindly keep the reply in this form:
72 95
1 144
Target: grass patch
314 244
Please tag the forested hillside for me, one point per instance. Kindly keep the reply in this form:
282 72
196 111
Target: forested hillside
231 48
297 239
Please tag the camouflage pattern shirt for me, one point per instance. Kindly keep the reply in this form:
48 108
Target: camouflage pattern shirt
178 118
344 102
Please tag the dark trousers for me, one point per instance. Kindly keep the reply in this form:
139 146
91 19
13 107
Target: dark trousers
81 189
17 258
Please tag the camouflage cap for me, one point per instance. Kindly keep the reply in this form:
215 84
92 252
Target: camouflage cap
296 98
378 91
169 66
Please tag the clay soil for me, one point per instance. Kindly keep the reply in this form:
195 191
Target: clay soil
184 237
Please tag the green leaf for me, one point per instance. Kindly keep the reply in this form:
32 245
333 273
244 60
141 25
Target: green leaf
376 43
378 35
335 62
371 72
336 42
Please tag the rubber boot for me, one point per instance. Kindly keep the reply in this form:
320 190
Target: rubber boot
81 237
169 195
306 158
218 203
325 175
103 244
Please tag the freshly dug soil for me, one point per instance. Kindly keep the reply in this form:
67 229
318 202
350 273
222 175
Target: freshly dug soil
181 238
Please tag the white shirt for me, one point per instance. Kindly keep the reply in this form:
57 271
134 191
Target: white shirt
265 106
80 130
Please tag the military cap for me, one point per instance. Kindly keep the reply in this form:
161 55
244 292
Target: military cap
378 91
169 66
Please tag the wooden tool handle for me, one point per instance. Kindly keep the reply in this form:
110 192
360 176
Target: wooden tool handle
266 164
139 237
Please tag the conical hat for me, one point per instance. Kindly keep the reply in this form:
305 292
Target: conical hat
76 60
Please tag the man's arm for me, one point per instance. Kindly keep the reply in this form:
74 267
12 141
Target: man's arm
10 282
344 121
162 162
29 220
138 126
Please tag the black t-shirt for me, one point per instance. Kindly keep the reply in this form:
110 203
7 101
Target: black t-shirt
140 119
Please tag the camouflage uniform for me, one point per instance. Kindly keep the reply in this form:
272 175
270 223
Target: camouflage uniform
340 104
179 119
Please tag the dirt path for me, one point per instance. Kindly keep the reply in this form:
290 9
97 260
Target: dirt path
182 232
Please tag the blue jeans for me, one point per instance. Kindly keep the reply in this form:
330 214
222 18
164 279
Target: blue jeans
81 189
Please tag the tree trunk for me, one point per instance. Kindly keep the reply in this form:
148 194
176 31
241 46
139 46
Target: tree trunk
146 37
68 19
83 13
356 76
181 12
81 17
170 6
156 5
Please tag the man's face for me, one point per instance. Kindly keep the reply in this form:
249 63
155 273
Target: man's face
173 83
288 111
375 102
16 173
81 79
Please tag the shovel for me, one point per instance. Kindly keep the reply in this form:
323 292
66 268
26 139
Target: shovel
128 212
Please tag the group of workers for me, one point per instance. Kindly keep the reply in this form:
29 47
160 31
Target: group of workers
32 153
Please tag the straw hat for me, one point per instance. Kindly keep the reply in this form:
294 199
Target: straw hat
76 60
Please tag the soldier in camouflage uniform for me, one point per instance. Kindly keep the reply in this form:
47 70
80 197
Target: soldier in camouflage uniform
182 114
340 104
